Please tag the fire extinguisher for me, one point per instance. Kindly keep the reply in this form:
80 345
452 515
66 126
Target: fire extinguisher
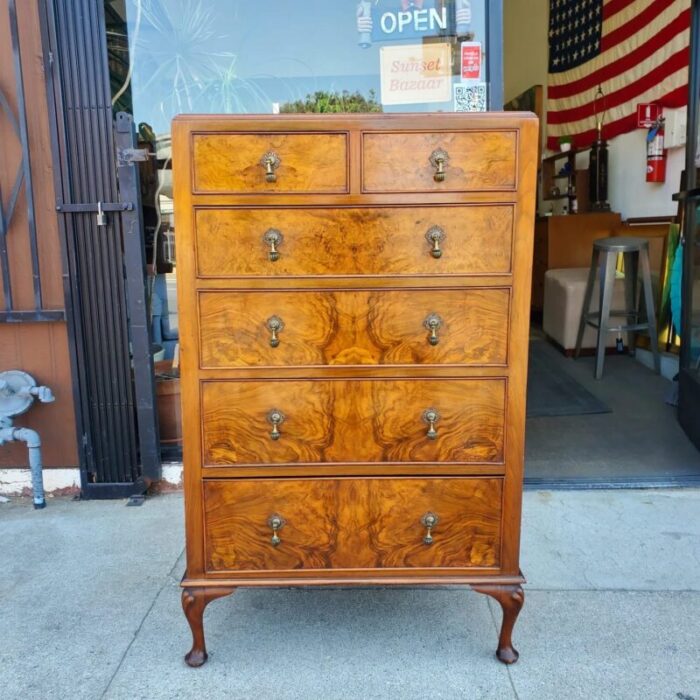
656 154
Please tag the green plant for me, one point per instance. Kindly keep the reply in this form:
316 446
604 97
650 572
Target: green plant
334 102
565 139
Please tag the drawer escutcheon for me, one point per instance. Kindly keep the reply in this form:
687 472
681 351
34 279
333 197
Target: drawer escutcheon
276 522
433 323
429 521
275 417
435 235
431 417
270 161
439 159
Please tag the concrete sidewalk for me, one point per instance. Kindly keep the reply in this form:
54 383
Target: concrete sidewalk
91 609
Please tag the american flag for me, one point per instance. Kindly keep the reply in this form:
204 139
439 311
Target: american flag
635 50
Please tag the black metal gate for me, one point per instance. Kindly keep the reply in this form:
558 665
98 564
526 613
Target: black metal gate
98 205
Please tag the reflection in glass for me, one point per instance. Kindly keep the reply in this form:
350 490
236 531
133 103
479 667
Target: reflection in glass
168 57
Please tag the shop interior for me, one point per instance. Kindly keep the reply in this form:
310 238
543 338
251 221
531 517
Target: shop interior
227 56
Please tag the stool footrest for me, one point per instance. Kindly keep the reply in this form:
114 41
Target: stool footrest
621 329
621 312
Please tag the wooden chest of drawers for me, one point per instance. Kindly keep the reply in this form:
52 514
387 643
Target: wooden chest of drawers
354 303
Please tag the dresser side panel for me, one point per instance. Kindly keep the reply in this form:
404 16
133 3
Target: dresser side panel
519 343
189 345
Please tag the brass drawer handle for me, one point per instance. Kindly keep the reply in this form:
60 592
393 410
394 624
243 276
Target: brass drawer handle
273 238
435 236
433 323
431 417
438 159
274 325
429 521
275 417
270 161
276 522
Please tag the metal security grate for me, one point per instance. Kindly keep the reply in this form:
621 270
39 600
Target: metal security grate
98 199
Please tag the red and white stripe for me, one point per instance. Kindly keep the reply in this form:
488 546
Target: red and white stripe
643 58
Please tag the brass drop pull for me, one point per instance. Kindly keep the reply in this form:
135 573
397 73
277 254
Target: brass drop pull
429 521
270 161
273 238
438 159
435 236
274 325
276 522
433 324
431 417
275 417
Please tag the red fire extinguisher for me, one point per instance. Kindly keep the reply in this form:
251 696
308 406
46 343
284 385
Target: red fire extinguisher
656 154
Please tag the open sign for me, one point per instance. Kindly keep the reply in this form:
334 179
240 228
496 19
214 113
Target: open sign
415 21
407 19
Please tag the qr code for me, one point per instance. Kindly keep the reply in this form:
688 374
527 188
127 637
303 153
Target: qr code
470 98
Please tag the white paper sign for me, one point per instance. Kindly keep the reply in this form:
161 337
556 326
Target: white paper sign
415 73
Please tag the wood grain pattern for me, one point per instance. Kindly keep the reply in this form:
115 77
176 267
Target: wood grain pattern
353 421
355 241
353 271
354 327
42 349
478 161
308 163
351 523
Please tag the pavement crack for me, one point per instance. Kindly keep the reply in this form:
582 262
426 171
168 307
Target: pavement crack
166 581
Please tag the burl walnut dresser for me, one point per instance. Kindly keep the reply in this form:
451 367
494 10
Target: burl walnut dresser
354 300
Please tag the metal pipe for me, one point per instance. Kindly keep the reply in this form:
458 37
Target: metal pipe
33 442
18 391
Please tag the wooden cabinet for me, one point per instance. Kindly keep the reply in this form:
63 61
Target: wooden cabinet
563 242
354 295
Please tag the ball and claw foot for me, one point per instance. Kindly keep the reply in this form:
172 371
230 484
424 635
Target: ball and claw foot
194 601
511 599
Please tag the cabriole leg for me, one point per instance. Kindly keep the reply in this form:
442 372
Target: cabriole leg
511 599
194 601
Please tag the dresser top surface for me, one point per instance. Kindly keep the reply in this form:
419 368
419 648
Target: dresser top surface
423 121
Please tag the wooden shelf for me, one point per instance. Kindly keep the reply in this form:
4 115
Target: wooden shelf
553 179
565 154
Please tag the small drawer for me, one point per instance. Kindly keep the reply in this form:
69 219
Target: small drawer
441 161
271 163
457 421
358 327
377 523
446 240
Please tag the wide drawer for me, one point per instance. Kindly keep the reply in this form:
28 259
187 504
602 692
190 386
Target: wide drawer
359 420
359 327
472 161
301 163
292 524
447 240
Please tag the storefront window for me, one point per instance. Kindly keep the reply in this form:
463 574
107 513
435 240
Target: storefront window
169 57
228 56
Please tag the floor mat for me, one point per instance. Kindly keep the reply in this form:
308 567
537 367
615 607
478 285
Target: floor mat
553 392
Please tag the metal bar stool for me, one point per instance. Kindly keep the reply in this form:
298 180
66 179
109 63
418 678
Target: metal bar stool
636 253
